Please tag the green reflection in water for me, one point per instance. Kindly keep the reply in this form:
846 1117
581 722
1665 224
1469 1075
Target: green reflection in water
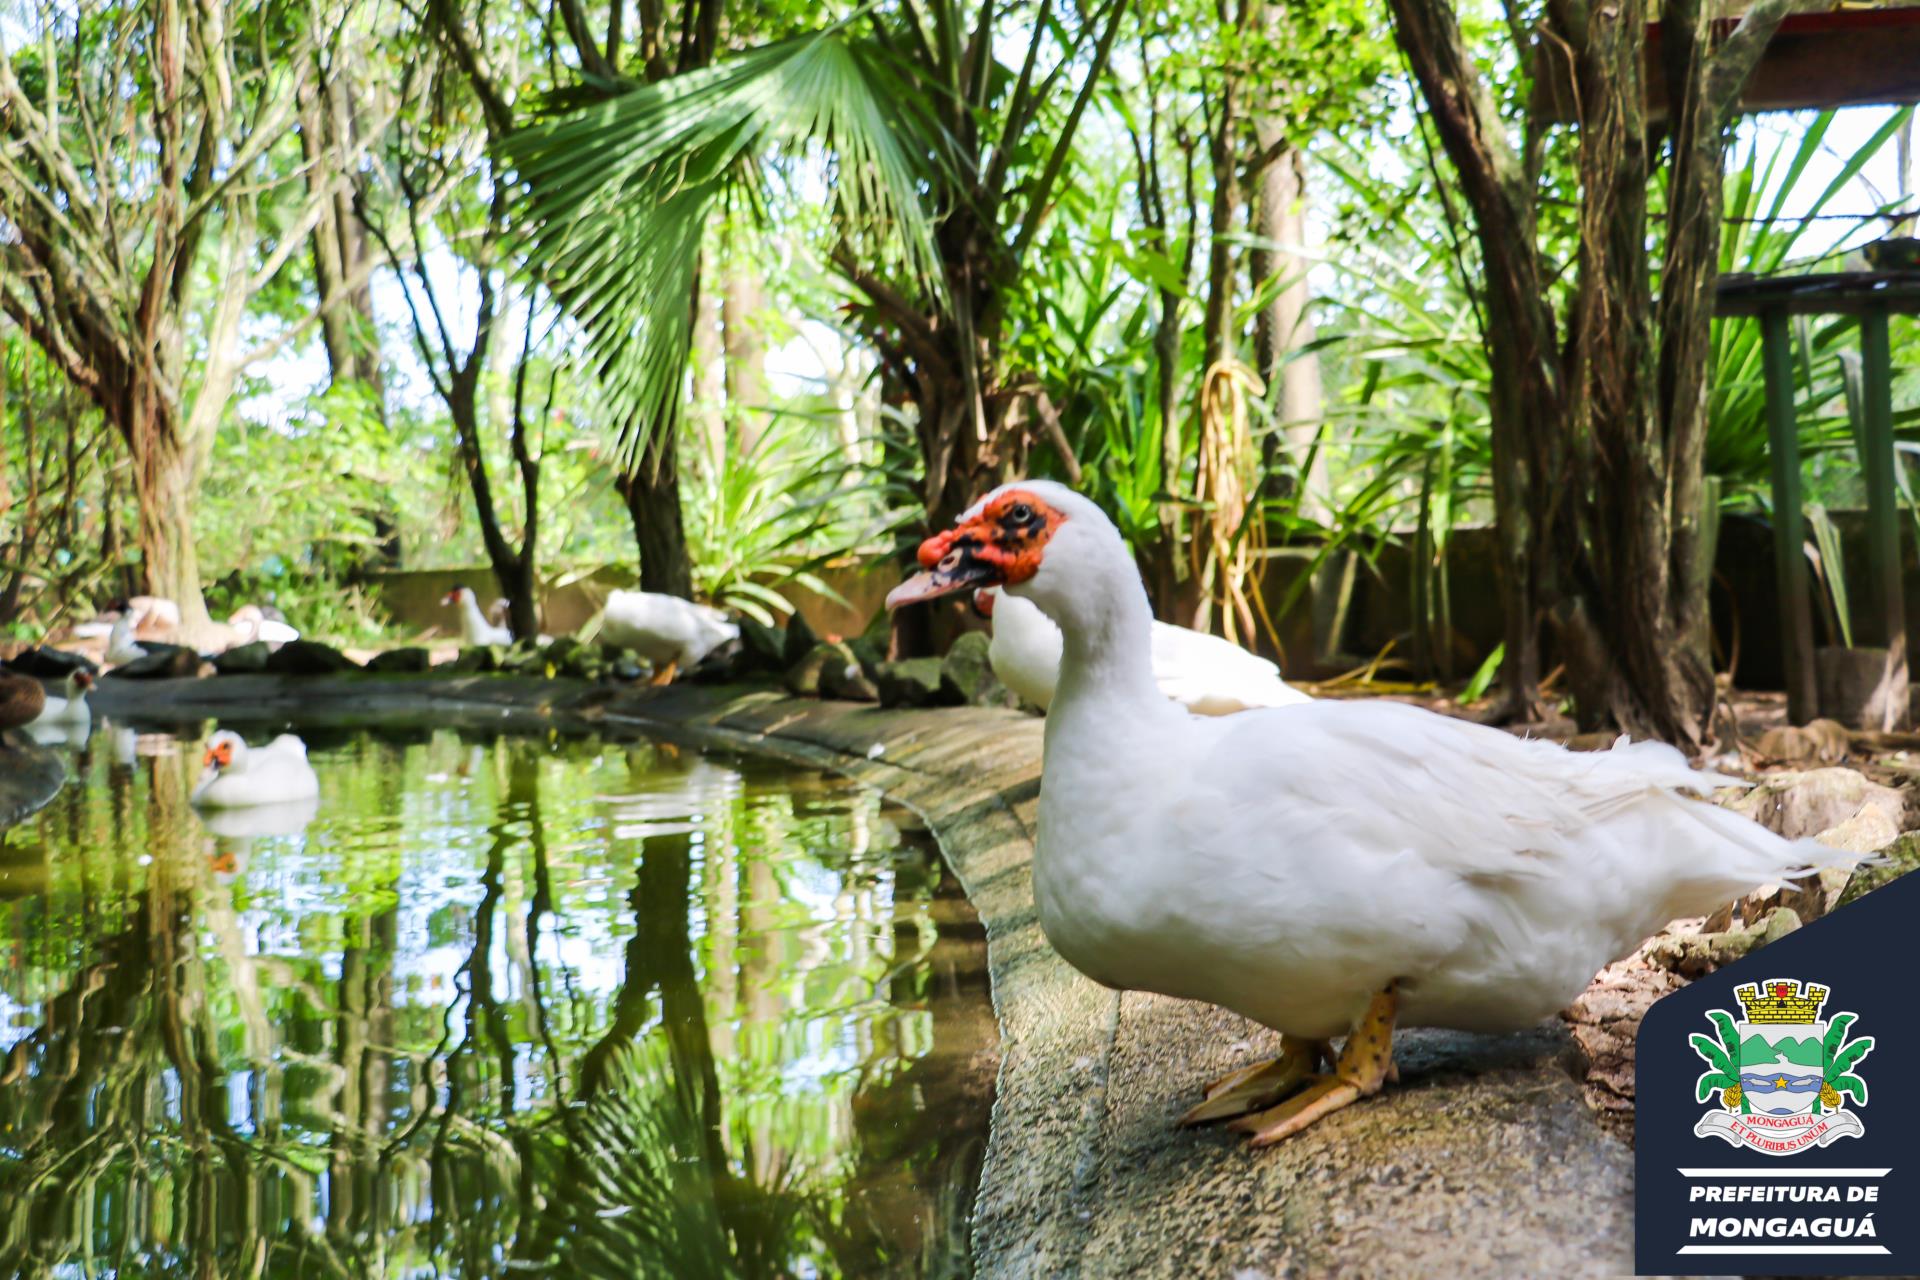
503 1007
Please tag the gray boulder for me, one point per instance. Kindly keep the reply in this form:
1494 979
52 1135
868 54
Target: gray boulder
844 677
803 678
909 682
966 675
409 661
243 659
309 658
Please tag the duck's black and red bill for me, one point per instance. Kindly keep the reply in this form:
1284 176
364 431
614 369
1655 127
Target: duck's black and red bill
952 563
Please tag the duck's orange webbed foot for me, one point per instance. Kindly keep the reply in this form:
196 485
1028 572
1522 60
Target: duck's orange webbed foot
1260 1086
1364 1067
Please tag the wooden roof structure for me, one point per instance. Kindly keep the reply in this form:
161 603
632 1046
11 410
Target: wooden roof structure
1839 58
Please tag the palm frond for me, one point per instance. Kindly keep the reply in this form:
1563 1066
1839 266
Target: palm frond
617 196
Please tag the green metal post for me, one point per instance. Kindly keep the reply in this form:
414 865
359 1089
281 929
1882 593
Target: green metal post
1789 532
1885 624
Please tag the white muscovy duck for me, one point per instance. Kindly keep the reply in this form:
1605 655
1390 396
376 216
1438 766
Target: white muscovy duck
1205 674
250 623
1331 868
667 631
474 627
234 775
121 646
69 706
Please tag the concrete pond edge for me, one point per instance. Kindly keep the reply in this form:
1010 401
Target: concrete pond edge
1485 1157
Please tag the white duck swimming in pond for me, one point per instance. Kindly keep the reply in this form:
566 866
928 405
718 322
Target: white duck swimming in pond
121 646
234 775
1205 674
474 627
1330 868
667 631
69 706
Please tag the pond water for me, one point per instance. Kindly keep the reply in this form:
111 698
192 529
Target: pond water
501 1006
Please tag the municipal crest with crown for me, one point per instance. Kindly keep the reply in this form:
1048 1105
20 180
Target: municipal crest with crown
1786 1079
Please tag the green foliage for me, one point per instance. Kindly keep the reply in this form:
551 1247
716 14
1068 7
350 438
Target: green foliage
764 518
621 194
1483 678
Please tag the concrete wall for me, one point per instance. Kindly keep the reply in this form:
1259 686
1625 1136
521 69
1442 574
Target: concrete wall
411 597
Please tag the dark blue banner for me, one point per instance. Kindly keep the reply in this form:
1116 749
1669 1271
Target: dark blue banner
1774 1133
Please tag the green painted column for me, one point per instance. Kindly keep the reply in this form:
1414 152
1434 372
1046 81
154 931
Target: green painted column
1884 625
1789 530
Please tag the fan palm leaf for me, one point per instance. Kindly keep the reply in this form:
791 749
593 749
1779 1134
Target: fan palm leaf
616 196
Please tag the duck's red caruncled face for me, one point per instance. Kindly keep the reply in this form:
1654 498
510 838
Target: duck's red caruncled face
1001 542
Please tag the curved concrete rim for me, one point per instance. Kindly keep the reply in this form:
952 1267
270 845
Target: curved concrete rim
1485 1158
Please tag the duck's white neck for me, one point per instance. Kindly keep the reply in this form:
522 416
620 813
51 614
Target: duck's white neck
471 618
1092 591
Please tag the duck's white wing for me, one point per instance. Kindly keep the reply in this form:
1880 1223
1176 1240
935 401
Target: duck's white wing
1495 874
1481 802
1214 676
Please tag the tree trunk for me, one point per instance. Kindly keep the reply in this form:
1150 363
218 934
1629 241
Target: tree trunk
741 302
652 493
1526 397
163 480
1285 325
514 568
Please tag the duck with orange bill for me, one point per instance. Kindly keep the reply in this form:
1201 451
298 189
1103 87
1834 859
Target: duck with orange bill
234 775
1332 869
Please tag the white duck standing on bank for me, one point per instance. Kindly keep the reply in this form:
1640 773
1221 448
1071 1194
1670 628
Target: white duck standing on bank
474 627
234 775
667 631
1333 868
121 646
1205 674
69 706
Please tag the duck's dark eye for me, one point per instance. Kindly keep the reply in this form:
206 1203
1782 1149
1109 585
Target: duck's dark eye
1021 513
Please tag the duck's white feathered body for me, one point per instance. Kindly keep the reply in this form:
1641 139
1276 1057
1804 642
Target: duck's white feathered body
663 628
1288 865
121 646
69 706
234 775
474 627
1205 674
251 622
1292 864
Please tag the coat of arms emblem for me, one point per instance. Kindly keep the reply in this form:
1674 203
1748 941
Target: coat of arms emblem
1785 1077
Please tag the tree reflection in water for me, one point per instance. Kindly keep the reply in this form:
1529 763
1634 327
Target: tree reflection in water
504 1006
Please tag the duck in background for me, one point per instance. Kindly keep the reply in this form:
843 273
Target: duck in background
1205 674
474 627
250 622
122 648
234 775
1338 868
667 631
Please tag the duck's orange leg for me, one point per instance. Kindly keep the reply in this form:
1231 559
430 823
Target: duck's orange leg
664 675
1260 1086
1365 1065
